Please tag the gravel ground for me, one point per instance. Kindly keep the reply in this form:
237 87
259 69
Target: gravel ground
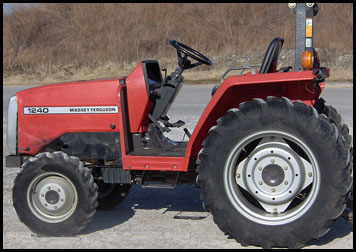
146 218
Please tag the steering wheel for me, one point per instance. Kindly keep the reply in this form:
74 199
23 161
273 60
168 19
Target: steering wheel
187 51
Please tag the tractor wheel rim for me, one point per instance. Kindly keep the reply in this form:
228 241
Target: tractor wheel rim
52 197
264 185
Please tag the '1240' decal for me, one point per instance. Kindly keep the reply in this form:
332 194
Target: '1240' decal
70 110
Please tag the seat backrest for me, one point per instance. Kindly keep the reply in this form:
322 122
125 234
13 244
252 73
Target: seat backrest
269 63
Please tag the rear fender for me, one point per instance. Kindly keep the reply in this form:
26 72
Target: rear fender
237 89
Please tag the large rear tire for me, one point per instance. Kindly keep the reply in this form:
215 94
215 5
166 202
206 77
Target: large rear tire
54 195
274 173
331 113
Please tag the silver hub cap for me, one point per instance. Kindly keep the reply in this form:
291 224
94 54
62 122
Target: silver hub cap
264 182
52 197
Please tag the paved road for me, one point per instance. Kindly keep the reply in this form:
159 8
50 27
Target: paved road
146 218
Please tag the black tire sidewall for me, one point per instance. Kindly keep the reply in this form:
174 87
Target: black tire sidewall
261 230
327 204
114 198
84 207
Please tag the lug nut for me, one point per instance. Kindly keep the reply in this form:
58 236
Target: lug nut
259 168
260 183
58 190
238 175
275 210
310 174
272 161
62 200
42 195
273 190
285 168
286 182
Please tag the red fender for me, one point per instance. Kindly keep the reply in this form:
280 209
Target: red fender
237 89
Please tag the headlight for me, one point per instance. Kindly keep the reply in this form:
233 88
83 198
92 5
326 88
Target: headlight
12 126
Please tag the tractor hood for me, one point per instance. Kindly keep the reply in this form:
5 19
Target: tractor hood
46 112
79 93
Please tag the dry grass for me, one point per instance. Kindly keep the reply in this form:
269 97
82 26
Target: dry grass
70 41
112 71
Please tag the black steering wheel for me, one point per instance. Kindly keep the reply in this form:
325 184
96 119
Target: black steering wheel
187 51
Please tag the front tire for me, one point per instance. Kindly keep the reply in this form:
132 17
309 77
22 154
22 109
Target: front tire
274 173
54 195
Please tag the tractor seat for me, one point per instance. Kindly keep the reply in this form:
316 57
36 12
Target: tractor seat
269 63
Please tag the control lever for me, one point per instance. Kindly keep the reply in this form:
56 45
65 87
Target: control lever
165 75
187 132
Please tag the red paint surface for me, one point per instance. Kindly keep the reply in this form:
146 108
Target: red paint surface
237 89
138 103
36 131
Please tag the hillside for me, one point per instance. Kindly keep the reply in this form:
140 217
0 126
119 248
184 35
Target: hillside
67 41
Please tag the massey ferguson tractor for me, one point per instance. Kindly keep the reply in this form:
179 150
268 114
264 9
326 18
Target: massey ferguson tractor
272 159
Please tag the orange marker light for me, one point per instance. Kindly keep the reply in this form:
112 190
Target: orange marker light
307 60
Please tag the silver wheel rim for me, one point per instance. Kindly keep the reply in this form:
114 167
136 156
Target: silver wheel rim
273 184
52 197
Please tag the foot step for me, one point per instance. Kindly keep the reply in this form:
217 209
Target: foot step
158 185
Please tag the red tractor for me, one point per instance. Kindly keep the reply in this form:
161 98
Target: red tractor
273 161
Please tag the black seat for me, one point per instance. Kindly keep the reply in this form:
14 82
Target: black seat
269 63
